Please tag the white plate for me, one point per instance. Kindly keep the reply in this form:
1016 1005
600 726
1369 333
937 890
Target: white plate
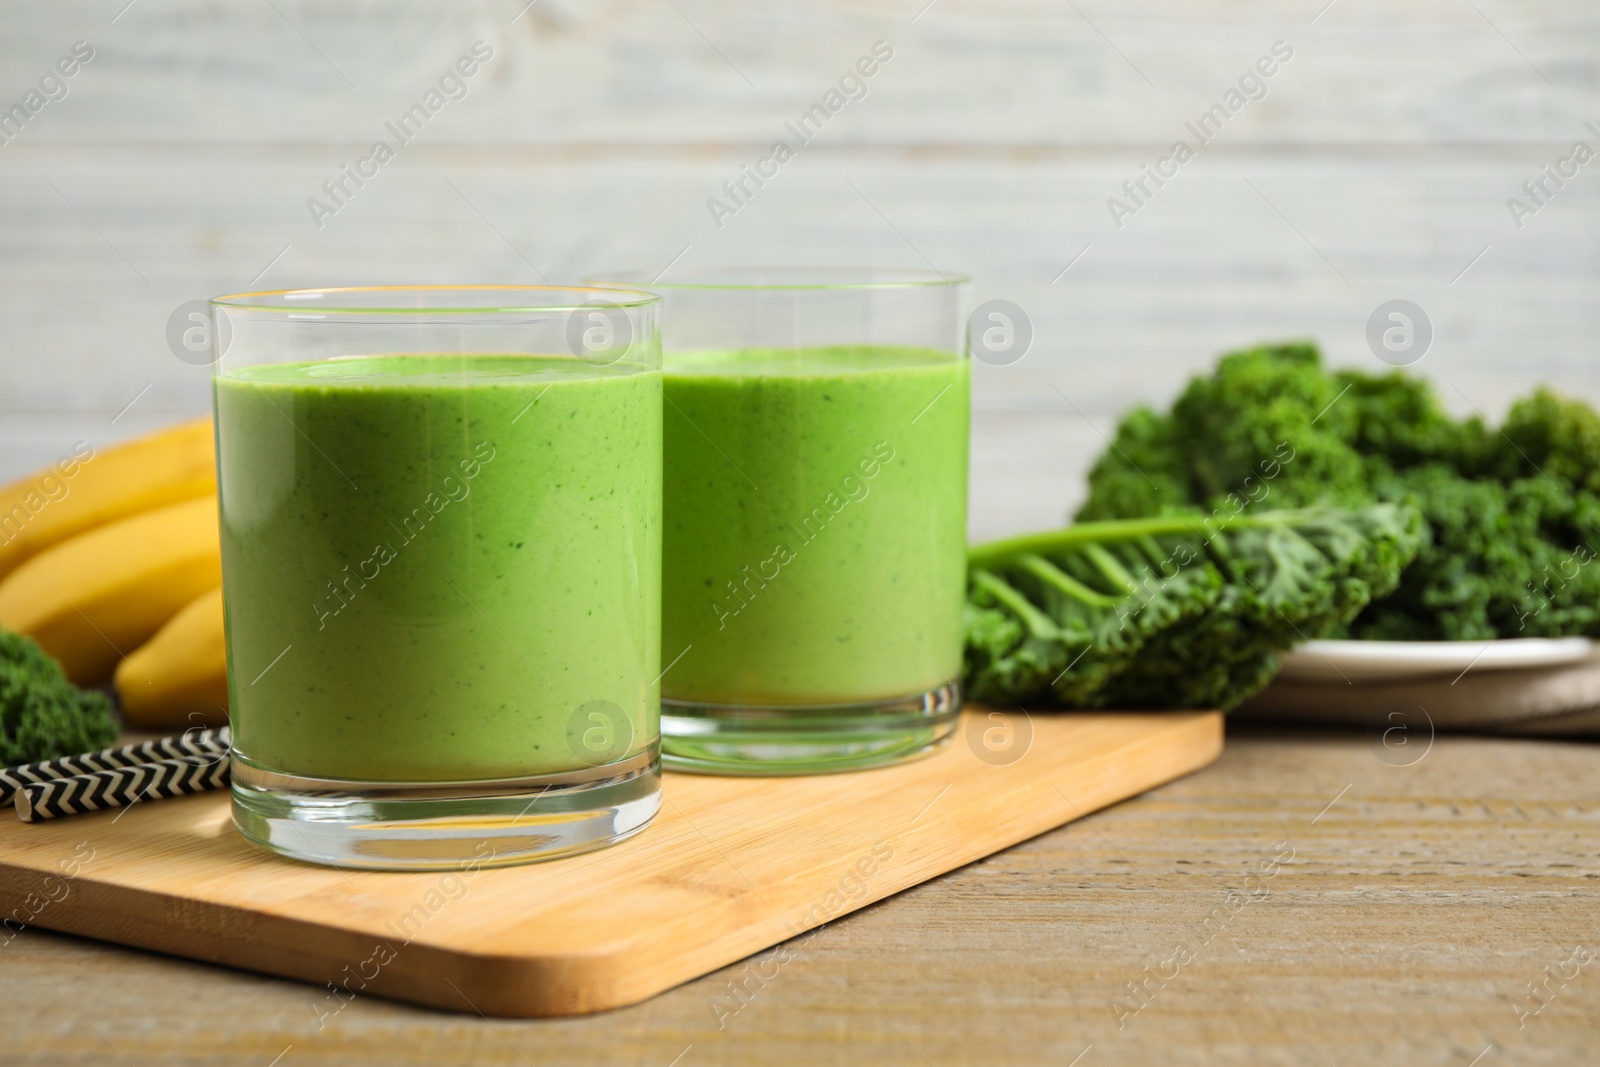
1389 661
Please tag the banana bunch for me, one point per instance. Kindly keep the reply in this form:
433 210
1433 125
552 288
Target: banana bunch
109 559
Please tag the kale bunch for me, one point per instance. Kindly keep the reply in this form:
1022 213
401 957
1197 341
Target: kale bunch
1510 515
1176 611
42 715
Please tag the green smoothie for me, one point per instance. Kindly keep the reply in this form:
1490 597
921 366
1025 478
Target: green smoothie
815 524
441 567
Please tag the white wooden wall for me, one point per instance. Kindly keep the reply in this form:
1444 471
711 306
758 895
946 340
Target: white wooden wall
1377 166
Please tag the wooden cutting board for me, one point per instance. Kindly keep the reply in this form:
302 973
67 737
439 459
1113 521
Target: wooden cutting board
730 867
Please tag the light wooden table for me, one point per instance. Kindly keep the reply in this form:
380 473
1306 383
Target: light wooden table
1418 905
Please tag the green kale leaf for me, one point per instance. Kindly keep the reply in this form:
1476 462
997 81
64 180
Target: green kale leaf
42 715
1511 517
1185 610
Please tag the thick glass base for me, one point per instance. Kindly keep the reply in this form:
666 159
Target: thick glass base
740 739
420 826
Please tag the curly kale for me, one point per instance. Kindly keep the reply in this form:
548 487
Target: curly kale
1511 516
1145 473
1177 611
1496 561
1554 438
42 715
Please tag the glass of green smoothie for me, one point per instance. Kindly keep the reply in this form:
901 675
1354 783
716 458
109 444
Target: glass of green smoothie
814 540
441 553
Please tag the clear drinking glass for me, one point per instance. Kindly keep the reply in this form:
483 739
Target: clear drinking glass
441 546
814 546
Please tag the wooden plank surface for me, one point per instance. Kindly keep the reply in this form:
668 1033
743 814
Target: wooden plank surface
638 72
1378 166
729 868
1147 306
1419 903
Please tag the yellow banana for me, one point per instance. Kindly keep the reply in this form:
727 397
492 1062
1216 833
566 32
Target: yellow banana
92 487
91 597
179 677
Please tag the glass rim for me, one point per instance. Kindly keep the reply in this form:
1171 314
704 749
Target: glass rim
854 278
606 297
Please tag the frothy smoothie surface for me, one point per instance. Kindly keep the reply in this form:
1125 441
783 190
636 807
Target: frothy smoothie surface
441 568
815 524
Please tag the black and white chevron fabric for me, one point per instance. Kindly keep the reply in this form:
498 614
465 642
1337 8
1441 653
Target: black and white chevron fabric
121 786
207 743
